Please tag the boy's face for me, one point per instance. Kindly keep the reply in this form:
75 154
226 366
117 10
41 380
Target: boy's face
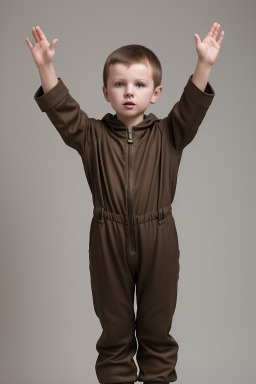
134 83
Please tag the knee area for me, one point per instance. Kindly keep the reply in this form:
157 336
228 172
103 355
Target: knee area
148 330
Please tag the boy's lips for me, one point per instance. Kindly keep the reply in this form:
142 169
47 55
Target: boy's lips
129 106
129 103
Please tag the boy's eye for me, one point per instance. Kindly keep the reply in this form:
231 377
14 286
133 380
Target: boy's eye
137 84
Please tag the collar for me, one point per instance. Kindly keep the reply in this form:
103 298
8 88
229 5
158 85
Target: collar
112 121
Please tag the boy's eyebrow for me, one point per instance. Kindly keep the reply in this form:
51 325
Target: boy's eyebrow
120 78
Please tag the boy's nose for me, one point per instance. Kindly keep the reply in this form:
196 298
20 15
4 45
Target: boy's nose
128 92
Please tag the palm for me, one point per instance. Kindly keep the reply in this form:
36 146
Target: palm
209 48
43 52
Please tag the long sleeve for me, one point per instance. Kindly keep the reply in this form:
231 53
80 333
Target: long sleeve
72 123
187 114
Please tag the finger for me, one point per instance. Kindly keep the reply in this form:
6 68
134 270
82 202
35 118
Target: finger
36 37
52 46
212 29
197 37
221 38
29 43
216 31
40 33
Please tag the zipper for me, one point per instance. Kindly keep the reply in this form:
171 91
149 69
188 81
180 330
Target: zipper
130 140
131 229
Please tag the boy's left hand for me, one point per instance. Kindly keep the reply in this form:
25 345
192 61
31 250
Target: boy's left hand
209 48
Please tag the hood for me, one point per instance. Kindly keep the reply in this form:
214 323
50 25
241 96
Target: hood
113 121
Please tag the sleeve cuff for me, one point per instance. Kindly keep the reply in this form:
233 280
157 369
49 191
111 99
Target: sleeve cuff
200 98
47 101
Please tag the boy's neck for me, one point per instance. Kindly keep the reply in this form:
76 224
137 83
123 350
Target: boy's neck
130 121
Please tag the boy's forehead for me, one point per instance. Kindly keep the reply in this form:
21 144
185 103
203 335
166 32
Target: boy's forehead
123 70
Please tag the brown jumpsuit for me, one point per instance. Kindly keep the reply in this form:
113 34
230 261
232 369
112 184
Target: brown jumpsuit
132 174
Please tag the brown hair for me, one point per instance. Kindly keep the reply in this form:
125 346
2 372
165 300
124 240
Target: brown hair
134 53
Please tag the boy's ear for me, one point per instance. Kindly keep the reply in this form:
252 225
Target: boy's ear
156 94
105 92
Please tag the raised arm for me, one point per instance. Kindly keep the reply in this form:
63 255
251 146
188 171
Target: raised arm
65 113
187 114
53 97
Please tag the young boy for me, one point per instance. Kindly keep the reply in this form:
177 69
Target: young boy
131 163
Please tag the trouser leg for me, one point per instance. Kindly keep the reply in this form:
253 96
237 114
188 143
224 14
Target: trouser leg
156 292
113 299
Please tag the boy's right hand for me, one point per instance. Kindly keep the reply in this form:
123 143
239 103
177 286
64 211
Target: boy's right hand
43 52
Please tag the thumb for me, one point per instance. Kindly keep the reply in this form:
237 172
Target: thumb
52 46
197 38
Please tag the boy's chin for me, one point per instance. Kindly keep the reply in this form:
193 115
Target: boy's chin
129 112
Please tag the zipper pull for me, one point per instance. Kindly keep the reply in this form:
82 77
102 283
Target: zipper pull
130 140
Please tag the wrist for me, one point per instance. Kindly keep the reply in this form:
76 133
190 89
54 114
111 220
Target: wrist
45 67
204 64
48 76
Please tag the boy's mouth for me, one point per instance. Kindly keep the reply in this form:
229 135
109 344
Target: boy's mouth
129 103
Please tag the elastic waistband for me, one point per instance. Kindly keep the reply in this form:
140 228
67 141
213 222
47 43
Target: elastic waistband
99 214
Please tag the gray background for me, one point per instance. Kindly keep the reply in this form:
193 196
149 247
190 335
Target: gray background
48 328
